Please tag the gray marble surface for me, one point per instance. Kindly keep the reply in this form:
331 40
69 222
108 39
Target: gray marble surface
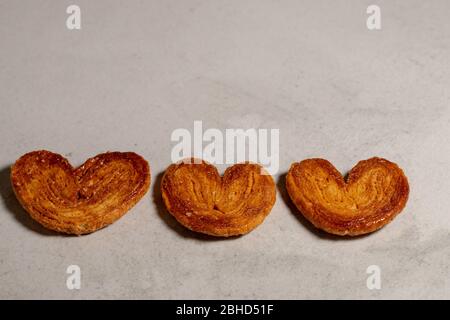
137 70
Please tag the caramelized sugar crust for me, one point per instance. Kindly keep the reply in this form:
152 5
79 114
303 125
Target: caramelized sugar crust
79 200
203 201
375 191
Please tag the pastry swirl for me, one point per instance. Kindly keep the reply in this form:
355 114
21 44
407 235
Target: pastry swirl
79 200
374 192
203 201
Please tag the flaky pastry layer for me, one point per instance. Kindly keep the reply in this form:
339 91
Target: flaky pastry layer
79 200
375 191
203 201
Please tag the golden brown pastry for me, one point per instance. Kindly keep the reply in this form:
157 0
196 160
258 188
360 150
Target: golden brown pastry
79 200
374 192
203 201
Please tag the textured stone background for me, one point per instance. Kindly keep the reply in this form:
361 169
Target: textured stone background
140 69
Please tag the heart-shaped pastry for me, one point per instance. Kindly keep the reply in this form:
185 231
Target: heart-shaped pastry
79 200
203 201
374 192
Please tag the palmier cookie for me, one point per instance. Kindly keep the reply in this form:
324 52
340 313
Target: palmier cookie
79 200
373 193
203 201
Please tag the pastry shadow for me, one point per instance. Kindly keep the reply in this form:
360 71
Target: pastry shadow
15 208
172 223
281 185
